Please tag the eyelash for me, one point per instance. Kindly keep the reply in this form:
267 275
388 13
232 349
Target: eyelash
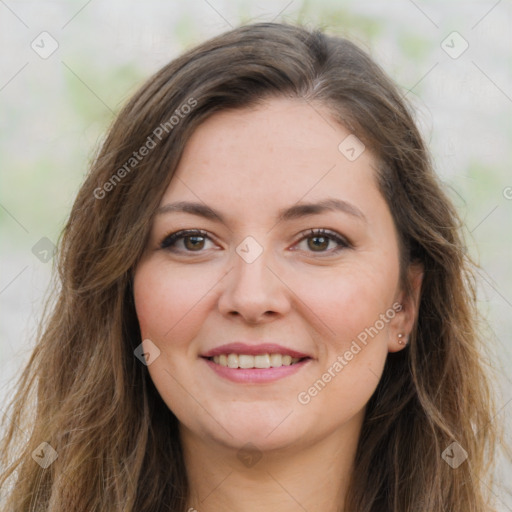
169 242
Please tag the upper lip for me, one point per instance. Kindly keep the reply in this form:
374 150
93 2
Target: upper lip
253 349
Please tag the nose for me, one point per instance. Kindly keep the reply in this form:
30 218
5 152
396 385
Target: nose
254 290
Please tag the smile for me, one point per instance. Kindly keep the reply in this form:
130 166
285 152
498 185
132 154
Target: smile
255 361
248 361
244 369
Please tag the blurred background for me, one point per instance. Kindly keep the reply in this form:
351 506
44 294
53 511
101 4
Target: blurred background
66 68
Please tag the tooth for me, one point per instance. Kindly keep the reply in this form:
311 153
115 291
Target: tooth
276 360
262 361
258 361
245 361
232 361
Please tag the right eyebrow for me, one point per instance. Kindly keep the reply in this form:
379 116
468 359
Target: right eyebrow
194 208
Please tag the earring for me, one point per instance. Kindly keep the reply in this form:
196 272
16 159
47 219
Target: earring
400 340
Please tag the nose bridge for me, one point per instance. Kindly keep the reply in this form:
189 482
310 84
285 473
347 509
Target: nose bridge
252 289
250 261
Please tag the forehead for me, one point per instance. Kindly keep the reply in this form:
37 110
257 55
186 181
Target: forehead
281 152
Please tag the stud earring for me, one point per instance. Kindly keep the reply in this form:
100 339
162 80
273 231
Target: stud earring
400 340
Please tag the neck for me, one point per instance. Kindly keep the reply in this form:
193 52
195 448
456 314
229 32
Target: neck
312 477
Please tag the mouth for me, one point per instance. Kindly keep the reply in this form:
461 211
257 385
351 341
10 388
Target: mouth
259 361
251 363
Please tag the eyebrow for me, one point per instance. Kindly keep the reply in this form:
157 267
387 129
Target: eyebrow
296 211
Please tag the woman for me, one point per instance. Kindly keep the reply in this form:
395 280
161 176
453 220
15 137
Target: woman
265 302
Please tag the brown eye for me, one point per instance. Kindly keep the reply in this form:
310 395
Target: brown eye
194 242
185 241
319 241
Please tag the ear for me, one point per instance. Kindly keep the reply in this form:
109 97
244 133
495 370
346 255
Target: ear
405 318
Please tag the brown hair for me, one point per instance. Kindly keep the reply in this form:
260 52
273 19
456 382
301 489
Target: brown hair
85 393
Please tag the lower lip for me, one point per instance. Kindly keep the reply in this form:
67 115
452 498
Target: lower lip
256 375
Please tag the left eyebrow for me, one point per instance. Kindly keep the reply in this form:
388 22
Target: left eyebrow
286 214
330 204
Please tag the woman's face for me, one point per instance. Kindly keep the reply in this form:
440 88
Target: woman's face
260 329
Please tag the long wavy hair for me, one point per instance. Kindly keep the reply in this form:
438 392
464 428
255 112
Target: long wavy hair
85 393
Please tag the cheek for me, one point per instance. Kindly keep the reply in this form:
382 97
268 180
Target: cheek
353 347
173 303
348 300
168 301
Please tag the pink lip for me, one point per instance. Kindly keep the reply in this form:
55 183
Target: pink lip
255 375
253 350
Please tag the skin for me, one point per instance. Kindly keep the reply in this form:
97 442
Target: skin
248 164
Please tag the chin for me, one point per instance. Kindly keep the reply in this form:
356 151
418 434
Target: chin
262 425
257 439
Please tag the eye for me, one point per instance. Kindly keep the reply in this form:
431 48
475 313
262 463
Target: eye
318 240
193 240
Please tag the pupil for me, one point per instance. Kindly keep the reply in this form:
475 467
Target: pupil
196 241
322 244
